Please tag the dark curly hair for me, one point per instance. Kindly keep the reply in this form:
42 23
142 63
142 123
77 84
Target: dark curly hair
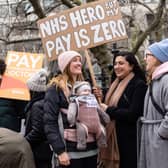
2 66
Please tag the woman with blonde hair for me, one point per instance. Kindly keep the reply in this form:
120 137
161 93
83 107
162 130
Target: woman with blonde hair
60 134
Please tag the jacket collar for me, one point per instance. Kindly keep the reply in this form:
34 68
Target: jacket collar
160 70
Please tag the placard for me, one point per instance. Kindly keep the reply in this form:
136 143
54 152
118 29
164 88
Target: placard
20 67
82 27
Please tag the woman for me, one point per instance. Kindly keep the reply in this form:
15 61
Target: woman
34 133
154 123
56 105
124 104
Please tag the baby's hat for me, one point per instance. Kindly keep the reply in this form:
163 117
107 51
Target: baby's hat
81 86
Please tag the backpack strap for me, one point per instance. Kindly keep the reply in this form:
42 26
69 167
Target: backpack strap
157 107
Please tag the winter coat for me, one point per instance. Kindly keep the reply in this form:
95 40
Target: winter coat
54 101
35 130
11 112
15 151
129 108
153 126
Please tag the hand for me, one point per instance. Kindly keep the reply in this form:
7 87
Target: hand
98 93
64 159
103 106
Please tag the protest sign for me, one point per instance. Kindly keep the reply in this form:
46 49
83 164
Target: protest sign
20 66
82 27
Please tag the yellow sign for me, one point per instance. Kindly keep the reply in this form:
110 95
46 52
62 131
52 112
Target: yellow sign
20 66
82 27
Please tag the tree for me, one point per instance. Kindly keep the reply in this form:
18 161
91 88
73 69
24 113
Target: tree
140 35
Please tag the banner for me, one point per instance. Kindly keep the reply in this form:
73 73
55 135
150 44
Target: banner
82 27
20 67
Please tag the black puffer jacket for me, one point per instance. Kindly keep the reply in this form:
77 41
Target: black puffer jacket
35 128
54 100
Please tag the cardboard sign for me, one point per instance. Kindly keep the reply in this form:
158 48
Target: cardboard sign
20 66
82 27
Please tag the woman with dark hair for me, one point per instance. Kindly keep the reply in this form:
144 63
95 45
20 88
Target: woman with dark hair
124 104
129 56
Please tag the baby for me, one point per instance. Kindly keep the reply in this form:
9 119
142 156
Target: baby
85 113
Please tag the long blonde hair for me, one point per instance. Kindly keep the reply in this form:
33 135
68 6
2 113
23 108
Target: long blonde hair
62 80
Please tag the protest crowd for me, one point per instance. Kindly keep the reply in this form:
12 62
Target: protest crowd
60 129
68 121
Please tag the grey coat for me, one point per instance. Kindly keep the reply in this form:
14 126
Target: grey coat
15 151
153 146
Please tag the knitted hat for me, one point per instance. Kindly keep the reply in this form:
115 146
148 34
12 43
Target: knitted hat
80 86
160 50
38 81
65 58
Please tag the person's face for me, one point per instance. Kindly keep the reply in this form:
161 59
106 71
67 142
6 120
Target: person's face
122 67
85 92
151 62
76 66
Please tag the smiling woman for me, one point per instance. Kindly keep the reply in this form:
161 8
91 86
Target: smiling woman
122 67
56 105
124 104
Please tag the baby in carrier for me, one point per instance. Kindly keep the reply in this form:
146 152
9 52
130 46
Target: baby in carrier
85 113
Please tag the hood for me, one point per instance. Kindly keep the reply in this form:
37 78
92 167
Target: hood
160 70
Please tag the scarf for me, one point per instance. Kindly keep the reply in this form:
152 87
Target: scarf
116 90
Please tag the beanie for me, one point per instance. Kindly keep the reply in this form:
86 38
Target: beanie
80 86
38 81
160 50
65 58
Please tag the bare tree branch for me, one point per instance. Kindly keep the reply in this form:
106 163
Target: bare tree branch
37 8
7 42
156 22
3 40
144 5
68 3
53 7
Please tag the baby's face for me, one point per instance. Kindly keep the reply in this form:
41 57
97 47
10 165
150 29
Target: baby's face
85 92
